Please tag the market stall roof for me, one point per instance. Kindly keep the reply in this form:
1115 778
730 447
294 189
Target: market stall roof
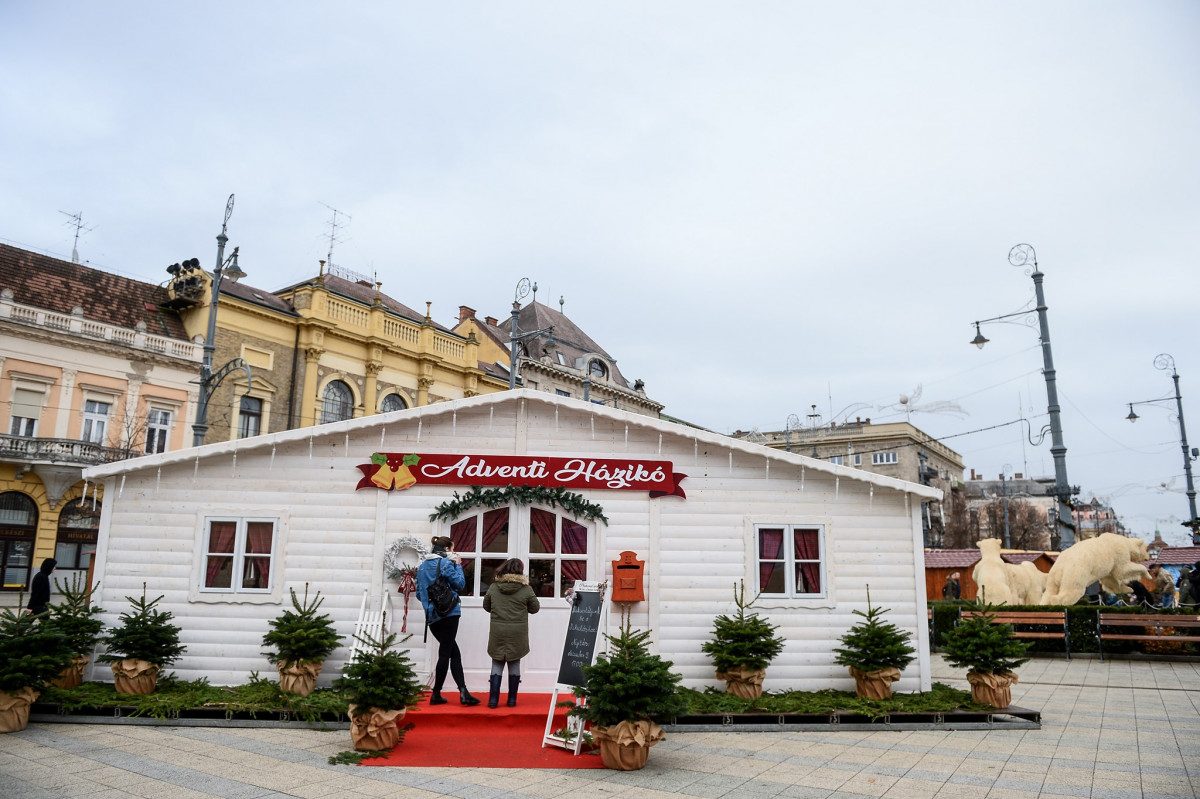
495 401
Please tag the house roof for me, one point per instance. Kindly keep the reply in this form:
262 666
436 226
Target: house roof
1176 556
570 341
502 400
60 286
362 292
255 296
962 558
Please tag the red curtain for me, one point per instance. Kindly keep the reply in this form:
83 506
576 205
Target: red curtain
256 571
770 546
573 570
220 551
541 524
495 522
574 538
462 533
808 548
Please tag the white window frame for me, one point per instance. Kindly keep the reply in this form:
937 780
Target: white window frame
93 421
262 413
27 426
837 460
857 459
884 458
239 555
789 562
159 431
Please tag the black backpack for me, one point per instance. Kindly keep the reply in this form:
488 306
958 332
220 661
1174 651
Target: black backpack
442 595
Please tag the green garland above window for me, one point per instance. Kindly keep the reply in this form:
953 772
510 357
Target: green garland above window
478 497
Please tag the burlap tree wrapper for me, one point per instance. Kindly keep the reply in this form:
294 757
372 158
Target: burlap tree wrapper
378 731
71 676
134 676
626 746
299 678
743 682
994 690
875 684
14 709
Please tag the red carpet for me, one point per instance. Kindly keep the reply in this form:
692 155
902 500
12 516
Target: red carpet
479 737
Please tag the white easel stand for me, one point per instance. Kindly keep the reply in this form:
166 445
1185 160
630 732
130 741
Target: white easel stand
573 737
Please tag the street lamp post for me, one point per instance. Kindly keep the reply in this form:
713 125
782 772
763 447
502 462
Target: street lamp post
208 380
1022 255
1165 362
515 337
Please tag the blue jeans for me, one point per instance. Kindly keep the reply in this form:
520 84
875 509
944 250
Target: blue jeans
1168 599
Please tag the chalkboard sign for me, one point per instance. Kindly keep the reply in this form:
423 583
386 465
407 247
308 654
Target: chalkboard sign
583 630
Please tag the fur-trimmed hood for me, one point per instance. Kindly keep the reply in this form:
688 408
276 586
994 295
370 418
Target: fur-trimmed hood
510 583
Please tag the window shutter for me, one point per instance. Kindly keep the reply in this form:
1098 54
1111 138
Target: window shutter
28 404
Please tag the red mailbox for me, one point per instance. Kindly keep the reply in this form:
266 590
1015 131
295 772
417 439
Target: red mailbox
629 578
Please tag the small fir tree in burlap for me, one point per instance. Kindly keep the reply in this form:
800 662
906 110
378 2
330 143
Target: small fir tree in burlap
75 616
743 640
145 633
981 646
31 652
873 644
629 684
380 676
301 636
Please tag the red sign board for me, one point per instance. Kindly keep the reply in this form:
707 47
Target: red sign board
395 471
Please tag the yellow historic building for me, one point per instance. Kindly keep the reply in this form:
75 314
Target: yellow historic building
328 348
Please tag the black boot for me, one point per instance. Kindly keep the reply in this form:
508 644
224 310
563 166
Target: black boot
494 694
465 698
436 698
513 682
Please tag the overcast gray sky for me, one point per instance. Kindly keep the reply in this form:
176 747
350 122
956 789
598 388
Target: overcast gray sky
755 207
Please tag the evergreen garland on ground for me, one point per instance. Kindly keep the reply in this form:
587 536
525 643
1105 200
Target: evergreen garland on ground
379 676
301 636
743 640
75 616
873 644
31 652
629 684
559 497
146 633
979 645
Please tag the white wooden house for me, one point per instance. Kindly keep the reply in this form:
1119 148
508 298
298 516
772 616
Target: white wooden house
225 530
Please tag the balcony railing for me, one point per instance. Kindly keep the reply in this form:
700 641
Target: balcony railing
60 450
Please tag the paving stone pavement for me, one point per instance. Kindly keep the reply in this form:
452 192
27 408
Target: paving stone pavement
1113 730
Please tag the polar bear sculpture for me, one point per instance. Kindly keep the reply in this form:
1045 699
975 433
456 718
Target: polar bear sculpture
1109 558
1030 580
991 574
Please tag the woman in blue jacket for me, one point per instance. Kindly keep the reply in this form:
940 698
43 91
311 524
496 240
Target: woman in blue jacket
443 560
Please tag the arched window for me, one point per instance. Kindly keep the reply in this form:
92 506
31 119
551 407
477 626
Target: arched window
597 368
338 402
392 402
18 529
78 526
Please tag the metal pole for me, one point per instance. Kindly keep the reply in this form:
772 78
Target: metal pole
1004 492
200 428
1062 487
1192 522
512 335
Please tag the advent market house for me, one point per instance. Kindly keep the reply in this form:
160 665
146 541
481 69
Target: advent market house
224 530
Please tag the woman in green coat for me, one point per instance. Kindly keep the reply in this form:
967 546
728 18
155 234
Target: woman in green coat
510 600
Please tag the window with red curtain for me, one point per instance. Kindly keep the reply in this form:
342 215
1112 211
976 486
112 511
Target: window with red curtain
772 571
788 559
242 547
218 572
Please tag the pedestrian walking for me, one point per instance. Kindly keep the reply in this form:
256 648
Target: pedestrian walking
952 589
444 562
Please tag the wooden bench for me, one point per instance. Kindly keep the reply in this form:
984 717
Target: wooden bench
1146 627
1020 621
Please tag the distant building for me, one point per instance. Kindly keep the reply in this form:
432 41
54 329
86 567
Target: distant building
893 449
93 369
985 502
563 361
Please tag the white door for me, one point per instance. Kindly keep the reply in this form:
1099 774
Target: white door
556 551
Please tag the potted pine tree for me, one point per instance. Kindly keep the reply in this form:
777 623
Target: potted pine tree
381 686
876 652
141 645
627 691
742 647
989 652
31 654
302 640
76 618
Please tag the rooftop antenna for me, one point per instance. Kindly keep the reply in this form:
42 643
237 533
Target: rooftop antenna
333 231
76 220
